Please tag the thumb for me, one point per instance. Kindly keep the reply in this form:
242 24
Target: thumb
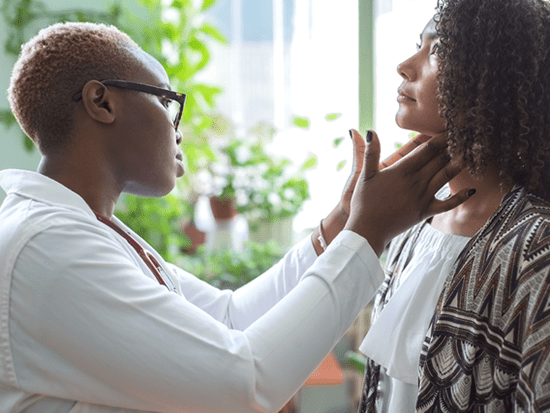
358 152
372 155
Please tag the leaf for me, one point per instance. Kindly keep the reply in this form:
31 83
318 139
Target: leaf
209 93
337 141
341 164
7 118
309 163
201 48
214 33
29 144
356 361
332 116
206 4
301 122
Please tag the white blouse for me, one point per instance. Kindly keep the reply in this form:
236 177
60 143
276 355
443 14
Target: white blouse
395 339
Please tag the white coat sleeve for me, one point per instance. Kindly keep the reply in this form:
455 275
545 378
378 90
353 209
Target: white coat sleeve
86 324
241 308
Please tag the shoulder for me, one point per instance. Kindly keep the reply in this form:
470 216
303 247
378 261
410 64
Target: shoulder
24 218
509 259
522 221
55 230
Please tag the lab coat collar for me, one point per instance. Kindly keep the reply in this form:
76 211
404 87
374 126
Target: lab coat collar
33 185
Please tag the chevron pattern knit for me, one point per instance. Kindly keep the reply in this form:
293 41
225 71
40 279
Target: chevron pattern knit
488 347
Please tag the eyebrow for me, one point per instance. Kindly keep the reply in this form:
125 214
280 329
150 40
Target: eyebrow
428 36
430 32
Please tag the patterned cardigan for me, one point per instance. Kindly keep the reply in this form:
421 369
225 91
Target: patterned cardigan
488 345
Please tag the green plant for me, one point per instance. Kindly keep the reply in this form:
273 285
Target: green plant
280 189
231 269
158 221
266 187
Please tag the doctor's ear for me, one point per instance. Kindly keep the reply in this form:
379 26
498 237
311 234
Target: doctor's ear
99 102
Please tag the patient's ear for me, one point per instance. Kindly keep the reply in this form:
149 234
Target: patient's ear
98 102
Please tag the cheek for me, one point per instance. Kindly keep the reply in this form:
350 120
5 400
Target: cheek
428 97
429 105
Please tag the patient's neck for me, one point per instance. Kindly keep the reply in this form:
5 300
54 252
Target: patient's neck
468 218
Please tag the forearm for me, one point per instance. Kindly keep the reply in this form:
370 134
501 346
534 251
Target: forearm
254 299
300 331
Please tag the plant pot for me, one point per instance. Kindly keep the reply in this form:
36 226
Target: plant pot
196 238
223 208
229 230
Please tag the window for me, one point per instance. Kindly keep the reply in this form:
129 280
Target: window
290 58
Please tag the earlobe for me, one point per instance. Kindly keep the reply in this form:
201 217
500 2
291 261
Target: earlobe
98 102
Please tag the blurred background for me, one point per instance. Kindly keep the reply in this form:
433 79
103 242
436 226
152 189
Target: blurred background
273 88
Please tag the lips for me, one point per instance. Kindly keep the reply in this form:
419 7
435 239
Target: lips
403 95
181 167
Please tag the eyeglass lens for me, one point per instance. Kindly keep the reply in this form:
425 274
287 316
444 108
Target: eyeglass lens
174 109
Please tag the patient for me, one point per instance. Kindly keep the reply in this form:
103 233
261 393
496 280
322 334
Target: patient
461 321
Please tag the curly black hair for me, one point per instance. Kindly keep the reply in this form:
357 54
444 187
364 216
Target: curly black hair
494 86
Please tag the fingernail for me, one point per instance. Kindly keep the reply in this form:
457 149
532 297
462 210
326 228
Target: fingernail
369 136
350 134
471 192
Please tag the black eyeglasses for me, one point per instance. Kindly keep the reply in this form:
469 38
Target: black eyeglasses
152 90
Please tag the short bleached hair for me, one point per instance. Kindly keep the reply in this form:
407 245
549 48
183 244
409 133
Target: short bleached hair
55 65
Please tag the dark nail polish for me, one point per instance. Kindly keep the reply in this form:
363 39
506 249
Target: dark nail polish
471 192
350 134
369 136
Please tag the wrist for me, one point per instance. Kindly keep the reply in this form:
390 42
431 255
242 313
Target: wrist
316 243
374 236
328 229
334 223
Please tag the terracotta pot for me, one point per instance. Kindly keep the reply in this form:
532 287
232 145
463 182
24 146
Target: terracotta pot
196 236
223 208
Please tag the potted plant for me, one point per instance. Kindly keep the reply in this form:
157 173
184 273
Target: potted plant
268 190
